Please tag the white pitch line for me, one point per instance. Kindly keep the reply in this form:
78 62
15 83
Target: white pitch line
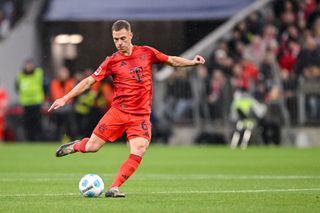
59 177
238 191
244 191
39 195
224 177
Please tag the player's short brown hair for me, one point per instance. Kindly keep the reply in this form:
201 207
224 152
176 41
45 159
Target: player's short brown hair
121 24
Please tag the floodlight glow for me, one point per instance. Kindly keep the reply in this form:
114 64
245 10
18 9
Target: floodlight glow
75 39
68 39
62 39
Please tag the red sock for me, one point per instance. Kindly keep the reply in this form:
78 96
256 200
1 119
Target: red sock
81 146
126 170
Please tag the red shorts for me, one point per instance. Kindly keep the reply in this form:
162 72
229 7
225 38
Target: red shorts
115 122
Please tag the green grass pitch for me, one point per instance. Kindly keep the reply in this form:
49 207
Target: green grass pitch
170 179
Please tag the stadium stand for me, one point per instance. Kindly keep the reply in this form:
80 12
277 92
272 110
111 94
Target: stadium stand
270 52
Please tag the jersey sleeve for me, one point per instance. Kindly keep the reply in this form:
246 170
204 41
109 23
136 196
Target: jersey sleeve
158 57
103 70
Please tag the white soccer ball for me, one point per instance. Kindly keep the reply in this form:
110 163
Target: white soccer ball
91 185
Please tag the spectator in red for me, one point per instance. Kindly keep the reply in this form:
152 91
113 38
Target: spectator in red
3 107
217 83
307 7
238 80
288 56
250 70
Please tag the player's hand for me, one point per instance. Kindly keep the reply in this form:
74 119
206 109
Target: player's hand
57 104
198 59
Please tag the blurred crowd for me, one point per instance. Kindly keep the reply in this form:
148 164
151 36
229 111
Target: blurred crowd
269 56
36 93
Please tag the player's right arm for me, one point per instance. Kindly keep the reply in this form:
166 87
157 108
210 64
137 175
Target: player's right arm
77 90
177 61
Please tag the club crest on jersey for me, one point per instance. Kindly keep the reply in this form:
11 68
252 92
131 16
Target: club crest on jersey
137 73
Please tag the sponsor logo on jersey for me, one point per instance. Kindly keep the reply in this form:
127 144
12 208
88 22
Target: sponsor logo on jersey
137 73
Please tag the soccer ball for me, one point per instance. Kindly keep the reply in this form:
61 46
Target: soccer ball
91 185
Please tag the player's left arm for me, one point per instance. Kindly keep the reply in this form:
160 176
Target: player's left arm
177 61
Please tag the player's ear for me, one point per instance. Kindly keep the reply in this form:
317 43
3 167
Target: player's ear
131 34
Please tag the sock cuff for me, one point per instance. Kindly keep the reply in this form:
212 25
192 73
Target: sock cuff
136 158
83 143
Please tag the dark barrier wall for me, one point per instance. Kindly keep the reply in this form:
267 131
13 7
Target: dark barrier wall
171 37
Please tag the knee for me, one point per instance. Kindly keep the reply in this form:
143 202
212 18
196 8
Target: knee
138 146
139 150
142 149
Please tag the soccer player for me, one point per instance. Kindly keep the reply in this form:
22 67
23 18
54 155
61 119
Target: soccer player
130 68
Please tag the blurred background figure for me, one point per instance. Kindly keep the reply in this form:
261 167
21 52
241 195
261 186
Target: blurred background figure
3 107
6 18
30 86
102 101
204 85
62 118
92 104
82 105
245 113
179 97
10 12
215 96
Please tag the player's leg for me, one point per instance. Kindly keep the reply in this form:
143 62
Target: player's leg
89 145
139 136
109 128
92 144
138 147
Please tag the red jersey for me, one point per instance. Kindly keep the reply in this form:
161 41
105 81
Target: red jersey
132 78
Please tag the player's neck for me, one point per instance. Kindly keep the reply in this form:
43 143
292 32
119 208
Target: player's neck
128 52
